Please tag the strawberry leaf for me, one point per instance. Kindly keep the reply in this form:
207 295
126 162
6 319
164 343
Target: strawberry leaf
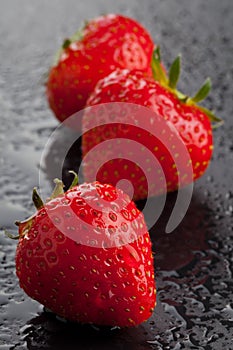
174 73
158 72
36 199
66 43
203 92
9 235
77 36
75 179
213 118
58 190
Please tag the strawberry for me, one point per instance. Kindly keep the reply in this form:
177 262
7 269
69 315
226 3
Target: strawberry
104 44
188 139
86 255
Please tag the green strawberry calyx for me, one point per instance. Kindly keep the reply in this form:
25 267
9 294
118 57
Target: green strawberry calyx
24 226
76 37
58 190
171 79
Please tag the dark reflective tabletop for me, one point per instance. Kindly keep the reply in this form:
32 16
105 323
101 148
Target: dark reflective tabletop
194 263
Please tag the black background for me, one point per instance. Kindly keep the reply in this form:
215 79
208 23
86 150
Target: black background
194 263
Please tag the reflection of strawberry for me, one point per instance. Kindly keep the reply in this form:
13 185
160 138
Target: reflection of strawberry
86 255
178 250
105 43
181 114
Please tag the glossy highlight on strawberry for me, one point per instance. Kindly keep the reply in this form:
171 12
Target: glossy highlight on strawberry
104 44
86 255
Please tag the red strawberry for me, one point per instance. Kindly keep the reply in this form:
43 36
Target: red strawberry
104 44
86 255
188 135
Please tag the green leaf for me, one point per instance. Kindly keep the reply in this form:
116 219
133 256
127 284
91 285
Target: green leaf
9 235
75 179
36 199
157 54
77 36
203 92
174 72
157 69
58 190
217 124
213 118
66 44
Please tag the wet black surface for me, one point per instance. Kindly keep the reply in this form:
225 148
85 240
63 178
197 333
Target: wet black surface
194 263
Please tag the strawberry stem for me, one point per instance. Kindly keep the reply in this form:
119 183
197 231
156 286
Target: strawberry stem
37 199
